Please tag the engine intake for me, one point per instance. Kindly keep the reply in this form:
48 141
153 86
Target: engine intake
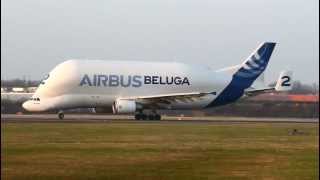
124 106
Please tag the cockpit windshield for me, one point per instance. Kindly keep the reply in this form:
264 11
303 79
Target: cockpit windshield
44 79
34 99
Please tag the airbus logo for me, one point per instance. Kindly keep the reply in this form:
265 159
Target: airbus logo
131 80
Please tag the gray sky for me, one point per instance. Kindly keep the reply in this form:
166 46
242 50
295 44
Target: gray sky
39 34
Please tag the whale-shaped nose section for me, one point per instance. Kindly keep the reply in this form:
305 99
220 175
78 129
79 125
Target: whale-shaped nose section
29 106
33 106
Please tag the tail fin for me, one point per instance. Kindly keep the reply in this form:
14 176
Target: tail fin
284 82
259 83
245 75
255 64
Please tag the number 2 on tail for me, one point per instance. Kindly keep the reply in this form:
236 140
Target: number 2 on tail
286 81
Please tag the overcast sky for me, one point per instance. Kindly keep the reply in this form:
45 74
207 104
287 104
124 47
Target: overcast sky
39 34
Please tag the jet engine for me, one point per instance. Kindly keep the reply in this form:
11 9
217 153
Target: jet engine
124 106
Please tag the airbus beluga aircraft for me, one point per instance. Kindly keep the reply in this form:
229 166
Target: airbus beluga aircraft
134 87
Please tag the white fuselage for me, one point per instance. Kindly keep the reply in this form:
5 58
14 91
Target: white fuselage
98 83
130 86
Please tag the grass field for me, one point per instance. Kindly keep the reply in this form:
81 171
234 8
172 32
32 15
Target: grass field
159 151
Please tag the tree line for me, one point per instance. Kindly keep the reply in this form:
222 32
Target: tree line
19 83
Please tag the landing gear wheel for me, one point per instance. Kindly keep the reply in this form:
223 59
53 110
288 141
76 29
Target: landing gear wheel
151 117
157 117
61 115
140 116
143 117
137 116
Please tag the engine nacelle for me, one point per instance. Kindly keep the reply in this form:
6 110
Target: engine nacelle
124 106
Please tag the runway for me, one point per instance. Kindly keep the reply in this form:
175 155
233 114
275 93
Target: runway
94 118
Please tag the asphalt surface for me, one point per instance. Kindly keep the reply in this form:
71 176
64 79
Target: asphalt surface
94 118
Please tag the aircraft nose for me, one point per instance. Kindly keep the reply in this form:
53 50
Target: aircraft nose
27 106
31 106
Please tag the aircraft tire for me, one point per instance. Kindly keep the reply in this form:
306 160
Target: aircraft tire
151 117
61 116
137 116
144 117
157 117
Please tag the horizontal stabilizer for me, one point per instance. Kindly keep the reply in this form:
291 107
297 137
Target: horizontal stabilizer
284 82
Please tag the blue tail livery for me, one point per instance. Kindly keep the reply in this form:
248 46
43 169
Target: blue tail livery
247 73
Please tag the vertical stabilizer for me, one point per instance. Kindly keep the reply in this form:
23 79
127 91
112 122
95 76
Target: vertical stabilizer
284 82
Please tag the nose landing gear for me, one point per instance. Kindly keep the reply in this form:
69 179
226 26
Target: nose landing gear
60 115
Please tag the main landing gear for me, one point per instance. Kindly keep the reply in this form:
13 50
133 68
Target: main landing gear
152 116
60 115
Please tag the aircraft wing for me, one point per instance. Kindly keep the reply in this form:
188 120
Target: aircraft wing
157 100
254 92
284 83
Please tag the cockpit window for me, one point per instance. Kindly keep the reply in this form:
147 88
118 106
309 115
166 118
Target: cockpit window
34 99
45 78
